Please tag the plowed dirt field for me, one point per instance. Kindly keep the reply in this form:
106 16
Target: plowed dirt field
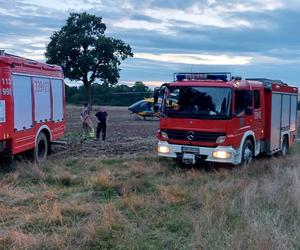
126 135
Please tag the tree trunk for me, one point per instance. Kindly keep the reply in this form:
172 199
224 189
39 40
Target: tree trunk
88 94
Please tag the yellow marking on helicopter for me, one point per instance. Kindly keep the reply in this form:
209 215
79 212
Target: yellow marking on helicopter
144 108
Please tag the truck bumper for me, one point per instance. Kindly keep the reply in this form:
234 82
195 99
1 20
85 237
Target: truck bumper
218 154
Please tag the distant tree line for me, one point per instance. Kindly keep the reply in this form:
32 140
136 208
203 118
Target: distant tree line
116 95
103 94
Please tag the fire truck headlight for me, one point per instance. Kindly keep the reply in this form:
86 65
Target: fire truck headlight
222 154
164 135
163 149
221 139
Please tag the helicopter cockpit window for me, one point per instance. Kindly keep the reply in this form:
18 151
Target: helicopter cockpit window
146 106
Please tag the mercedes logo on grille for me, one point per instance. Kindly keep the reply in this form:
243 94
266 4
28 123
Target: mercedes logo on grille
190 136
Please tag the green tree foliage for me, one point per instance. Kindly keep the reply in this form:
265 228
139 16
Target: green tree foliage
85 53
118 95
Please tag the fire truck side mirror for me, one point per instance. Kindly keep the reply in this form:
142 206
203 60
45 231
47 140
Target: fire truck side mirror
155 95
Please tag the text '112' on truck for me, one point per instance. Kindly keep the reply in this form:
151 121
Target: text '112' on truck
32 104
215 117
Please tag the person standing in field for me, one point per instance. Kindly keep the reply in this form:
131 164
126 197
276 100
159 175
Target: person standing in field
102 117
87 124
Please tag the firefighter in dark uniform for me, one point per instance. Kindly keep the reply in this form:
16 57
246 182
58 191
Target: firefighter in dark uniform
102 117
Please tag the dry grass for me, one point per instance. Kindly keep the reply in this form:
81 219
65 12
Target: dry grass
133 201
172 194
150 204
65 177
101 180
15 239
50 212
111 217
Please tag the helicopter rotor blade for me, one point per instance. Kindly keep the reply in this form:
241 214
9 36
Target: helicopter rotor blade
132 93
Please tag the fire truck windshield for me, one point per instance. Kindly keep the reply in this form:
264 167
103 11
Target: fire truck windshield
197 102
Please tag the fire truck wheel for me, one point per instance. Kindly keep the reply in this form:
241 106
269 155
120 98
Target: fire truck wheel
41 148
285 147
247 153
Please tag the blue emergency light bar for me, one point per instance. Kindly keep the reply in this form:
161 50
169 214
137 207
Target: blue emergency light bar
216 76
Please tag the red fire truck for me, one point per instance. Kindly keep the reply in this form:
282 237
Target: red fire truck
215 117
31 106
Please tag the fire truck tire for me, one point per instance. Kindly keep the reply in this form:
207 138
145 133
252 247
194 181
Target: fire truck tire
40 151
247 152
284 147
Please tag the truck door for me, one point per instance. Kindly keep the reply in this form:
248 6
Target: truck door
243 109
243 114
257 123
248 110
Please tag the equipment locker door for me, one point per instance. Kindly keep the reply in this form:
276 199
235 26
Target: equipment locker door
285 113
42 99
293 125
22 102
58 104
276 123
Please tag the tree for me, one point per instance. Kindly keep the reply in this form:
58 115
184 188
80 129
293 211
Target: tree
140 87
85 53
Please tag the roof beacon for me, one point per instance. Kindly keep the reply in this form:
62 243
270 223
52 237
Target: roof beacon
203 76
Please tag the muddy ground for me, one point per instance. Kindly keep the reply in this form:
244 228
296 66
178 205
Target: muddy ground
126 136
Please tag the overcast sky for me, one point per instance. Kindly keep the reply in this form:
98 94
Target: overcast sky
250 38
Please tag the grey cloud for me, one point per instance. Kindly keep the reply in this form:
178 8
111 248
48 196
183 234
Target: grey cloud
273 34
154 72
145 18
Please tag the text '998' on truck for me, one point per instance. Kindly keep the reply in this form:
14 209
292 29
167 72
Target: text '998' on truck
214 117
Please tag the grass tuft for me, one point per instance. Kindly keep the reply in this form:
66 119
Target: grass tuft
173 194
133 201
51 213
65 178
100 181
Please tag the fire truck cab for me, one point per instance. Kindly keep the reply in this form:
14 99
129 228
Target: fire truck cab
32 104
215 117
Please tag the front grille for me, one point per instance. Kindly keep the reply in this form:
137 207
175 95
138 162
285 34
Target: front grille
198 136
